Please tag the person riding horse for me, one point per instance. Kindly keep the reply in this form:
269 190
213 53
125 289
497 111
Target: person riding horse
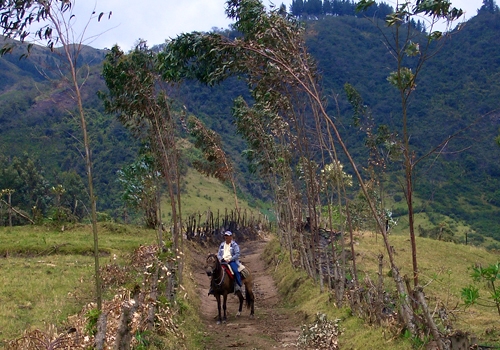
229 253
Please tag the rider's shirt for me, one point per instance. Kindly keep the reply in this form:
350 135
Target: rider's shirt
227 252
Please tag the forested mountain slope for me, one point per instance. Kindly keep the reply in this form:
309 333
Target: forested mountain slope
458 90
39 126
457 94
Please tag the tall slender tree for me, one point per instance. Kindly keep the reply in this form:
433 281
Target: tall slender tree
56 16
407 42
137 95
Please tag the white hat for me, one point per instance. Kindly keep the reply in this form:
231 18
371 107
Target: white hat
228 233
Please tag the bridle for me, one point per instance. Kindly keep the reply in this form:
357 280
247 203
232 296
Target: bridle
218 268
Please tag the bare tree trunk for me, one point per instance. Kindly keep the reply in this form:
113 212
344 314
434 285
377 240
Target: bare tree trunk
320 269
153 296
10 207
88 161
158 220
100 336
380 287
409 200
123 335
353 253
428 317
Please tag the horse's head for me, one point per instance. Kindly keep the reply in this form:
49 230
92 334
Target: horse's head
211 265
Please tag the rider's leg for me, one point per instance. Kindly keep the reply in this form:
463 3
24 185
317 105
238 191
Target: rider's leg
237 275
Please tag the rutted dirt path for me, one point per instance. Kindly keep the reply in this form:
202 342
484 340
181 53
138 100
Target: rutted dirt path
272 327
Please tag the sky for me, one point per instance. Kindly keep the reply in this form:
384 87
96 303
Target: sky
158 20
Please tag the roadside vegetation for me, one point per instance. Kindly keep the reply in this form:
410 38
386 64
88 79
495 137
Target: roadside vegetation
47 278
47 271
445 271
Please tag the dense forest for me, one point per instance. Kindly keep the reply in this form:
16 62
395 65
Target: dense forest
457 94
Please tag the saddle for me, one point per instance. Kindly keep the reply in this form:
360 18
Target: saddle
229 270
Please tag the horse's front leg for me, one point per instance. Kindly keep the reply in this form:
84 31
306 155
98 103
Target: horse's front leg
224 307
219 320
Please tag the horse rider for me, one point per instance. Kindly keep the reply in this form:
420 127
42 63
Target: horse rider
229 252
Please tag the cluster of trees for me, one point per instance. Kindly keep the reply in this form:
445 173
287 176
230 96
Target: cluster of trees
304 8
28 196
489 6
295 143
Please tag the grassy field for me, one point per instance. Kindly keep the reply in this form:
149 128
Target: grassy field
444 271
202 193
47 273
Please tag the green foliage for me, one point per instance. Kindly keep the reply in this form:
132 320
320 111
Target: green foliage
416 341
403 80
490 275
140 181
209 142
470 295
92 317
142 339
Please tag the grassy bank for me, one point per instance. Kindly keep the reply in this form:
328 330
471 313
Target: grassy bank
444 271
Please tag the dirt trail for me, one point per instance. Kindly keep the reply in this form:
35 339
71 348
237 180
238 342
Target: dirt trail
272 327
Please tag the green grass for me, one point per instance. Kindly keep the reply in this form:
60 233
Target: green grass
47 274
202 193
42 290
444 271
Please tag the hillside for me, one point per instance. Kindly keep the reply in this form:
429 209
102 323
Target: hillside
458 90
456 93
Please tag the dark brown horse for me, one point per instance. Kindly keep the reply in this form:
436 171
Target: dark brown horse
222 284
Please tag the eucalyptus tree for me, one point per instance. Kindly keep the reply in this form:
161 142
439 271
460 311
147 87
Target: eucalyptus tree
411 49
17 19
139 97
271 160
217 163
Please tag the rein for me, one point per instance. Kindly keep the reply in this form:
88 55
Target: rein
218 268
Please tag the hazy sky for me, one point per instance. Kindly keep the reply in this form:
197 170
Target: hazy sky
158 20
